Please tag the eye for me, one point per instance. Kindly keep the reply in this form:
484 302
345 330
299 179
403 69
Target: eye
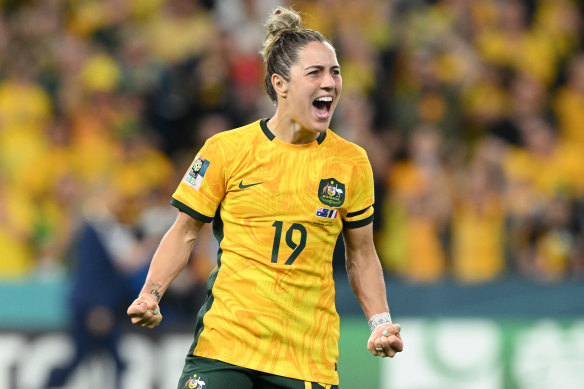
336 72
313 73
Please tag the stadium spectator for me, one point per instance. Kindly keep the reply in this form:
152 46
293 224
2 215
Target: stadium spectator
478 219
569 104
108 253
475 69
418 210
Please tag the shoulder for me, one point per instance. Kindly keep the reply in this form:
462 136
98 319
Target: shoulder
235 138
344 148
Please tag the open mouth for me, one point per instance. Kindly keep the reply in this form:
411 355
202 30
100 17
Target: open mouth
322 106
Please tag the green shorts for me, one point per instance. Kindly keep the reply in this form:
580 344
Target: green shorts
204 373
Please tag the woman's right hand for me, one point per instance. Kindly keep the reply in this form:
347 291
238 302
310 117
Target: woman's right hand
144 311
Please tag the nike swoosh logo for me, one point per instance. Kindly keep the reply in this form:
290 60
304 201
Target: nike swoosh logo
242 186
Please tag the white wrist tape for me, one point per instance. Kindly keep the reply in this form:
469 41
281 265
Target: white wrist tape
378 320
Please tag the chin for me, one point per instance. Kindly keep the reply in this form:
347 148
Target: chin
320 128
320 125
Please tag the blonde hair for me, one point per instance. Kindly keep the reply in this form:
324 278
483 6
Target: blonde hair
285 37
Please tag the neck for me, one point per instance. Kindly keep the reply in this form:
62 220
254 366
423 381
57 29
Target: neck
290 130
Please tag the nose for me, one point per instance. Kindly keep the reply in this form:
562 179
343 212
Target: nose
328 82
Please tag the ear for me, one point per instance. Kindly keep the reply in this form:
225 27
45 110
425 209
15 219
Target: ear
280 85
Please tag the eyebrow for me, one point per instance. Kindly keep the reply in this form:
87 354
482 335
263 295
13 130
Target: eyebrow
321 67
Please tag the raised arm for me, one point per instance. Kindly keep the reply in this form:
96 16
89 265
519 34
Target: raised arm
169 259
366 280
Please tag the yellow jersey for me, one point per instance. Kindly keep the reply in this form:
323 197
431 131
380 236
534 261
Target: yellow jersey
277 211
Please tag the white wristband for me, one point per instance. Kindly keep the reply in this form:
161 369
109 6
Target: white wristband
378 320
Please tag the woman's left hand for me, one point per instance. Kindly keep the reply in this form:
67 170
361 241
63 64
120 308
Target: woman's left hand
386 341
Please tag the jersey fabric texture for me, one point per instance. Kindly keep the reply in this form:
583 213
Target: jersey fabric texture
277 211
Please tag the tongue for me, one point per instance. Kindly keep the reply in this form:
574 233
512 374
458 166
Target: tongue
321 109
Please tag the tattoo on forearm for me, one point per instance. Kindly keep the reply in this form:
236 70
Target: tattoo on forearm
155 291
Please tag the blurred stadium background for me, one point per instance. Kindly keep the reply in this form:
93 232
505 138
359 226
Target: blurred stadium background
472 113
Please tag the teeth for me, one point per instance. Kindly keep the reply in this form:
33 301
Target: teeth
327 99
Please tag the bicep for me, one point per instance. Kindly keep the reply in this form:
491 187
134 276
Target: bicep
187 226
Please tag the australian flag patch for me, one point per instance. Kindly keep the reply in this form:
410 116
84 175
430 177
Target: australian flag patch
326 213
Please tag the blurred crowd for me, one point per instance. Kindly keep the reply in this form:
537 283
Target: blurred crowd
470 112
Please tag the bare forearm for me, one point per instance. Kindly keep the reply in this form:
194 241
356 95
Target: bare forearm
170 258
366 279
367 282
168 261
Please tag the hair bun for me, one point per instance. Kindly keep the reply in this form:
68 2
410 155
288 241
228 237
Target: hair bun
284 40
282 20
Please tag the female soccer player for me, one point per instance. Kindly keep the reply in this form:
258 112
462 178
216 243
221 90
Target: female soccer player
279 191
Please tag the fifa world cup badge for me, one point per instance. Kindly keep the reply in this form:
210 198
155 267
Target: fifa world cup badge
197 172
196 168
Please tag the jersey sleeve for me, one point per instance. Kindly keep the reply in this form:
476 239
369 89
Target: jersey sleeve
361 199
203 186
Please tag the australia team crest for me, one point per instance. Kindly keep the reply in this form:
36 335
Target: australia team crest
195 382
331 192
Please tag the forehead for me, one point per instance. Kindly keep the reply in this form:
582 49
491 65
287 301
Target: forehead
317 54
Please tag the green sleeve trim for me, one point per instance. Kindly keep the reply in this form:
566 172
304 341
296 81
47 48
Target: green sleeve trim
189 211
359 223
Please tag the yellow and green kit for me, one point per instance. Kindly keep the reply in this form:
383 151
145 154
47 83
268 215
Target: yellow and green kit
277 211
